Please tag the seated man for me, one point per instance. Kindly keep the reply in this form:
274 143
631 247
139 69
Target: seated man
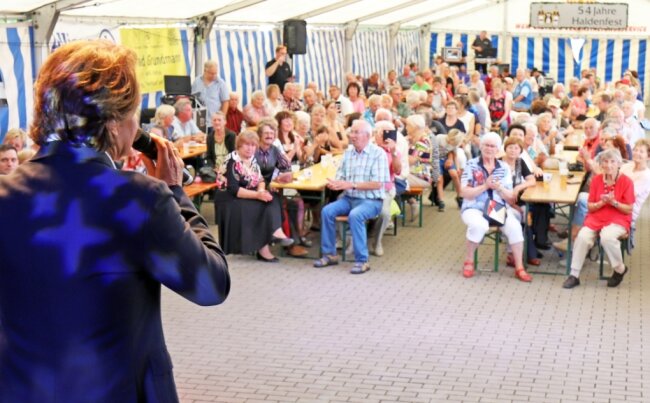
184 125
362 176
8 159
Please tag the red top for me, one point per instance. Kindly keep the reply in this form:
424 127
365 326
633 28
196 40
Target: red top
623 193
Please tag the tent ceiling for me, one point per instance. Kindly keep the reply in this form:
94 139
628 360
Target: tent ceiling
367 12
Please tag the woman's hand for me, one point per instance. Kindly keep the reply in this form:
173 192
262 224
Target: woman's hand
537 171
168 167
493 183
264 196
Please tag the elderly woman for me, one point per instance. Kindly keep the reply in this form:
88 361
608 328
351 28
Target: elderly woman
248 215
17 138
256 110
610 203
394 168
499 106
420 150
106 240
487 178
522 179
273 102
303 125
476 82
162 123
547 131
220 141
638 171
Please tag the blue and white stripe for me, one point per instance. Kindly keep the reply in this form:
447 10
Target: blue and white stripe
610 57
407 49
17 67
324 60
441 40
370 52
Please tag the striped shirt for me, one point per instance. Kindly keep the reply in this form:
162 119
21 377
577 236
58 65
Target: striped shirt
369 165
475 175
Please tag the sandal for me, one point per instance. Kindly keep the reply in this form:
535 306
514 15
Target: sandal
467 273
510 260
522 275
326 261
360 268
305 242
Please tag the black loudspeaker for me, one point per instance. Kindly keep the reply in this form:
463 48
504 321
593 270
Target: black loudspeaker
295 36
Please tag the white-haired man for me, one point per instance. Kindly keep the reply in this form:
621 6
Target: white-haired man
212 89
361 176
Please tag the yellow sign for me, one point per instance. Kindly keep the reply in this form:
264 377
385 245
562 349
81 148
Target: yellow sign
160 53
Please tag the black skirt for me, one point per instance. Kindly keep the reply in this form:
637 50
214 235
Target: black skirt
245 225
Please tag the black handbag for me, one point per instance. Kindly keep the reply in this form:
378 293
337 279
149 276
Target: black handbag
207 174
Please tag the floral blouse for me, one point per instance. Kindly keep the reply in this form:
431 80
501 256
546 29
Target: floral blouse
234 174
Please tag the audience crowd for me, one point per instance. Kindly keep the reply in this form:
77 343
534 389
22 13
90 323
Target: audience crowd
488 133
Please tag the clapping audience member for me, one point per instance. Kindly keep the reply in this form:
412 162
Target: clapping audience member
610 205
362 175
486 178
255 111
290 143
249 217
310 100
303 125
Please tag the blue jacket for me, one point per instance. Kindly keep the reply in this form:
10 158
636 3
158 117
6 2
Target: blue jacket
84 252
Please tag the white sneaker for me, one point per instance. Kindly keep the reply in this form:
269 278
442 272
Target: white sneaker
562 245
379 250
415 209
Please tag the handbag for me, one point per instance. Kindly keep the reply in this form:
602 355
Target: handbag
495 213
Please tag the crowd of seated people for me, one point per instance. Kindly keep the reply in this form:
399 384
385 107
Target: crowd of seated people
447 121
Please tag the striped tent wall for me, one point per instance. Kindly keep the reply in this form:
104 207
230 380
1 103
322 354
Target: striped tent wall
18 72
370 52
441 40
153 99
610 57
323 63
407 49
242 54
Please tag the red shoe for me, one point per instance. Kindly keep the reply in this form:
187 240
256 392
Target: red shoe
534 261
468 272
521 274
510 260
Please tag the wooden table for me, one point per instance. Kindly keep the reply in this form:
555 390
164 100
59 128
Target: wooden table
556 192
193 151
195 191
575 140
569 156
312 179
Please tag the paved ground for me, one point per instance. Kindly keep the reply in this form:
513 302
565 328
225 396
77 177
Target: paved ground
414 330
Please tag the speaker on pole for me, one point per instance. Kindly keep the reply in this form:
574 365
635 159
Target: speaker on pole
295 36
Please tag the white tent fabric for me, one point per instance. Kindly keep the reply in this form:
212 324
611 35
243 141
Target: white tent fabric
17 68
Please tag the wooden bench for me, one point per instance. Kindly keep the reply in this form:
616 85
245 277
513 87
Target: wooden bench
414 192
343 219
494 234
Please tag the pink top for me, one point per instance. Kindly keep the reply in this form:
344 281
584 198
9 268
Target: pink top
358 105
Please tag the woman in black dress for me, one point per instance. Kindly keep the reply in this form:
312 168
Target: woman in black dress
247 214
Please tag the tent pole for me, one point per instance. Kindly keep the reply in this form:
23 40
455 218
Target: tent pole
392 46
425 44
350 29
505 38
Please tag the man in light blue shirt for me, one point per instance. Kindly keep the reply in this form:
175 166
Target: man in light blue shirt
184 125
361 176
523 93
213 91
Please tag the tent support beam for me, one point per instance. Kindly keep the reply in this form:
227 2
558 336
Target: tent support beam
389 10
425 44
437 10
323 10
350 29
392 45
43 21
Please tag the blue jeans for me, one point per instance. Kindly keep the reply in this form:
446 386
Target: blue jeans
358 212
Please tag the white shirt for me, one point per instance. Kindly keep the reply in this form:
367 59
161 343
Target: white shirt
641 181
